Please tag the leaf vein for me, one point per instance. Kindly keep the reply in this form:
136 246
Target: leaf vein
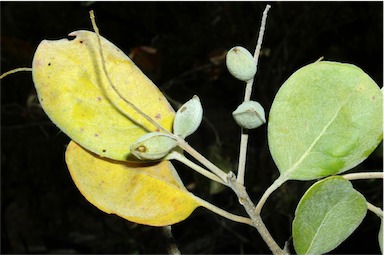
306 153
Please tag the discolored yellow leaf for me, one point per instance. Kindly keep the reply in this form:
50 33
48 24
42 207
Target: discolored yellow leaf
151 195
74 92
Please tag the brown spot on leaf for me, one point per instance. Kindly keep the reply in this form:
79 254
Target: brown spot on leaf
141 148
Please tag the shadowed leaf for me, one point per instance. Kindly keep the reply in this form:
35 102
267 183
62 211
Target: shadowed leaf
152 194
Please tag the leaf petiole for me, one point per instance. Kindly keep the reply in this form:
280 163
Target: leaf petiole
191 151
181 158
275 185
224 213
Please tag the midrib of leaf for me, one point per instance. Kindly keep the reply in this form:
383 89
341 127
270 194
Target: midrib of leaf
320 226
306 153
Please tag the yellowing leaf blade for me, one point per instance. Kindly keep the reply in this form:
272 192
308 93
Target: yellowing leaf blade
151 195
76 95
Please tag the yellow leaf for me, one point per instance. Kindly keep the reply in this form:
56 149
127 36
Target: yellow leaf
76 95
151 195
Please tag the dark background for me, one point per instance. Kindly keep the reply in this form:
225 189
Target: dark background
41 209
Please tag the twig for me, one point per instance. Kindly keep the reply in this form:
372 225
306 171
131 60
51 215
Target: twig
242 155
261 33
20 69
208 164
237 185
364 175
275 185
181 158
247 97
223 213
249 207
170 241
377 210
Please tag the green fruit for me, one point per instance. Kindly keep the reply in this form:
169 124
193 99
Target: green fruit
249 115
240 63
188 118
153 146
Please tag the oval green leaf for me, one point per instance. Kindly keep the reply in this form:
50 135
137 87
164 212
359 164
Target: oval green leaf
77 97
150 194
326 118
326 215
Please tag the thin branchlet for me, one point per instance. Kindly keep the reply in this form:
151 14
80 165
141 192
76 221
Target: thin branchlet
16 70
247 97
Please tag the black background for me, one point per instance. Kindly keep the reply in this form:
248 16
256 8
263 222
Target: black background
41 209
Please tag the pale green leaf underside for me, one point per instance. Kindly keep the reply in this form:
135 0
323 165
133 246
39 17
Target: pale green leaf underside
325 119
327 214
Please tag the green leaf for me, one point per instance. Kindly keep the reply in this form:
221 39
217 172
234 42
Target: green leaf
327 214
326 118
